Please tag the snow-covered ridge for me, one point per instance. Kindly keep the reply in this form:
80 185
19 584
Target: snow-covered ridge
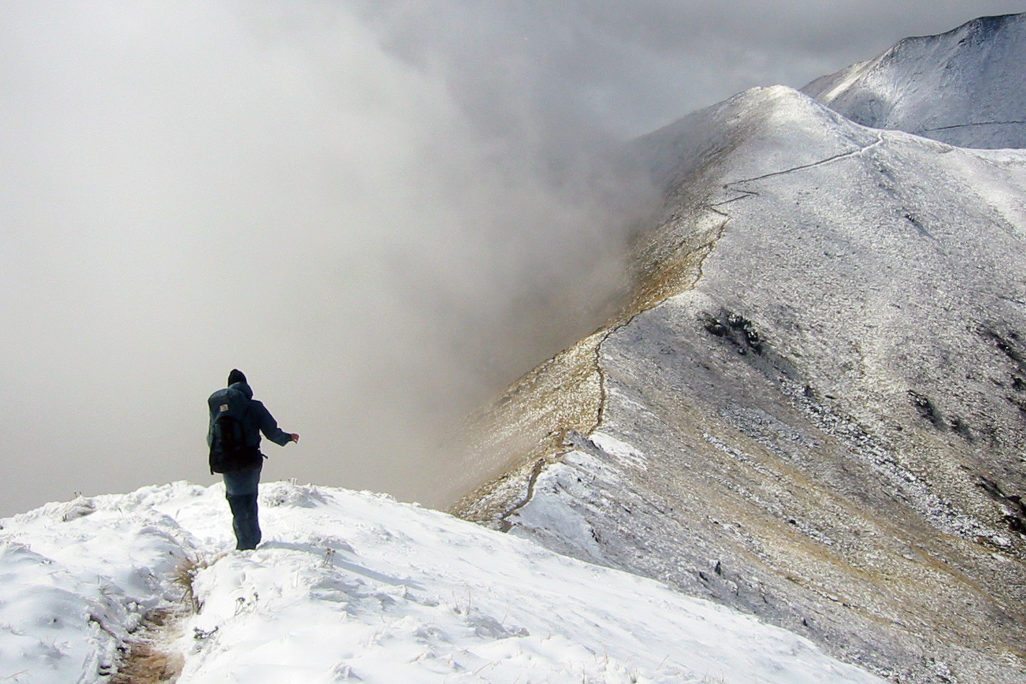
820 390
353 586
789 126
965 87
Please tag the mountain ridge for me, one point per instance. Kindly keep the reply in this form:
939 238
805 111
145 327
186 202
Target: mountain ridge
812 401
963 86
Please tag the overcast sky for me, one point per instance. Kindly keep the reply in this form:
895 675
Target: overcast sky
381 211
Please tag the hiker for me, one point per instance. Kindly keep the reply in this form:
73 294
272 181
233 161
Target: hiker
236 421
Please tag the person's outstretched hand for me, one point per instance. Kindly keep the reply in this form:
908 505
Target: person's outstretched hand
295 437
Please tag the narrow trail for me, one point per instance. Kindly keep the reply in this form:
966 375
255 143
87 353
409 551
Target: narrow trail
708 247
972 125
732 186
149 658
504 524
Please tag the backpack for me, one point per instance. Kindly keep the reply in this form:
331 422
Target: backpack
228 449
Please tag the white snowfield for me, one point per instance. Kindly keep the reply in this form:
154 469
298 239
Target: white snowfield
354 586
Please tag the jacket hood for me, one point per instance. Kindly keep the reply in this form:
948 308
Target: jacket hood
242 387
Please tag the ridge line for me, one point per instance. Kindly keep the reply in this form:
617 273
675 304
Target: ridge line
504 524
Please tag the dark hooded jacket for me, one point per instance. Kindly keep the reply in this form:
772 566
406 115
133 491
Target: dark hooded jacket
256 420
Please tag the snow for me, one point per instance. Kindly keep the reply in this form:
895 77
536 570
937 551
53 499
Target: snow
354 586
801 480
965 87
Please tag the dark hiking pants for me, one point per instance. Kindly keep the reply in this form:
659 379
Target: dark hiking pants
241 492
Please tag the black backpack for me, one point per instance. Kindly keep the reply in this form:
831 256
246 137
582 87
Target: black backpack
228 449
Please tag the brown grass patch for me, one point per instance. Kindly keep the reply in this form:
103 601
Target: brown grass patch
144 662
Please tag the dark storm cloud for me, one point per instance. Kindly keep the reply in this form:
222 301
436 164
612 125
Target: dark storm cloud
381 211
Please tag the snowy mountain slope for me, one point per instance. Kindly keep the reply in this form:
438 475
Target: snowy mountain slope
814 409
353 586
966 87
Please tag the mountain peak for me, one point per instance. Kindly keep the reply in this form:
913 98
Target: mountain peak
965 87
984 27
786 125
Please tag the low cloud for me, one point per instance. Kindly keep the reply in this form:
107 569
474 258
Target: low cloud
195 187
382 212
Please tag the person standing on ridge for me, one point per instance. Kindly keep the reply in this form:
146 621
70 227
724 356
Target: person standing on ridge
236 421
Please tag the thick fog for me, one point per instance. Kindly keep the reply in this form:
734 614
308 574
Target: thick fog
382 212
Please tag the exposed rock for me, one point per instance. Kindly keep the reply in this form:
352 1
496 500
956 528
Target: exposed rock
926 409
